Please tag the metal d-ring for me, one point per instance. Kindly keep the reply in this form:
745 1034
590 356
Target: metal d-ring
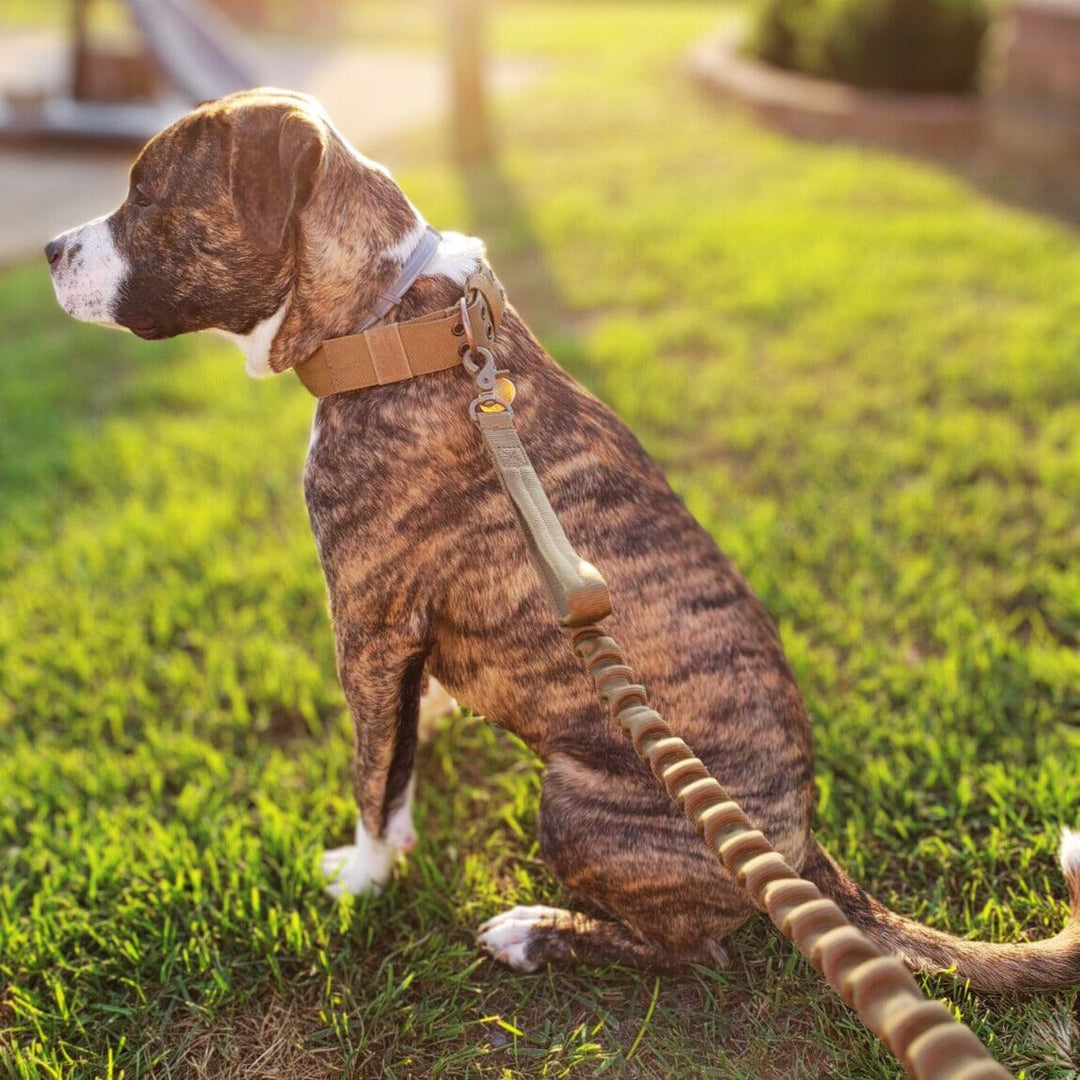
466 323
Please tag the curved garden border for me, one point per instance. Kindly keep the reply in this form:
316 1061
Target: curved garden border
818 107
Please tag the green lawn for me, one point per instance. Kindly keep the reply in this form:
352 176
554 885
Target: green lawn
860 373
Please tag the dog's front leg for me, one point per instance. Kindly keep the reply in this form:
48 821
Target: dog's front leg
382 680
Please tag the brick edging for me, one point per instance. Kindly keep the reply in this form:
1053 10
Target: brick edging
811 106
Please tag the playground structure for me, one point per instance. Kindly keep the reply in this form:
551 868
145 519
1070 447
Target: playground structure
125 86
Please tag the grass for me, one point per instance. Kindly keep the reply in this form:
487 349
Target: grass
861 375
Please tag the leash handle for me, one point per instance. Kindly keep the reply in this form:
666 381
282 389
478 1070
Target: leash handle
575 589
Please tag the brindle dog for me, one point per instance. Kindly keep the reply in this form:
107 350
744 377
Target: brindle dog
254 217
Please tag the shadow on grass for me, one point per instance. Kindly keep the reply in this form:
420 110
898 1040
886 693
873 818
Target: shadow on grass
1025 185
1052 191
498 216
496 213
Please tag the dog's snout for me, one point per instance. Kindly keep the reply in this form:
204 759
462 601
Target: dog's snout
86 271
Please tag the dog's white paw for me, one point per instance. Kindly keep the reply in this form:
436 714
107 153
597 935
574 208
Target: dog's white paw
506 936
366 866
357 868
1070 853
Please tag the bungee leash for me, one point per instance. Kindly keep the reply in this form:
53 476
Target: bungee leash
922 1034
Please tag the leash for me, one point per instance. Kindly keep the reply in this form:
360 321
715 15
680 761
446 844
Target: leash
922 1034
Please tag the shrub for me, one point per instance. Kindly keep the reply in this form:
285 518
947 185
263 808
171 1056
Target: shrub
915 45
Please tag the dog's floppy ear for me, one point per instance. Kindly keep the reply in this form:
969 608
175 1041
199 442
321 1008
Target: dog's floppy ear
272 166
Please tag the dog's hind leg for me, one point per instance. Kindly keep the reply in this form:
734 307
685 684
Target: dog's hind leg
528 938
618 843
436 704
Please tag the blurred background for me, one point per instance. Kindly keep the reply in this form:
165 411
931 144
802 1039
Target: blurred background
78 77
84 83
820 255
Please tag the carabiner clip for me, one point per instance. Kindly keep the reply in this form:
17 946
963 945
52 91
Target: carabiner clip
481 365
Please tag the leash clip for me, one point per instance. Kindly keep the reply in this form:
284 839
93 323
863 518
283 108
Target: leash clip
478 361
481 365
496 389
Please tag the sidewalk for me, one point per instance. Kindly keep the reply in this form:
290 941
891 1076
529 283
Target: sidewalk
373 94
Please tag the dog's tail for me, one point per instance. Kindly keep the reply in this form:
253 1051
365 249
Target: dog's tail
1051 964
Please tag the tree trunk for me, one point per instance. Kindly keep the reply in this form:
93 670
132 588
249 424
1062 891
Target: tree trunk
470 129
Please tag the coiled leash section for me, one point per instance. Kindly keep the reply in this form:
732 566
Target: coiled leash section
922 1034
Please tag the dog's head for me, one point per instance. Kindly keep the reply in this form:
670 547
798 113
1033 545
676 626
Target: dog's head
251 216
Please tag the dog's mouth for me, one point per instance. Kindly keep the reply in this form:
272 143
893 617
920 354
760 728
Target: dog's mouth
148 331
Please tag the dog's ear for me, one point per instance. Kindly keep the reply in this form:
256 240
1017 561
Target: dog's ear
273 163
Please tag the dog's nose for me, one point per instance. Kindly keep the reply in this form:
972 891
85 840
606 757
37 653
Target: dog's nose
53 250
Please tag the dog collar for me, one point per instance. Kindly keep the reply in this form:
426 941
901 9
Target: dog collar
413 267
402 350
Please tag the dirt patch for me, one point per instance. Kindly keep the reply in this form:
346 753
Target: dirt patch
266 1036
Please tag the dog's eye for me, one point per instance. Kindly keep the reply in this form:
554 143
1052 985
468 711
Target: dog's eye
139 196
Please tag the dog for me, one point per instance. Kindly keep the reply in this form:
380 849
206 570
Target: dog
254 217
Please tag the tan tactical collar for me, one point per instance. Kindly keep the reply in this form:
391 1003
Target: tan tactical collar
402 350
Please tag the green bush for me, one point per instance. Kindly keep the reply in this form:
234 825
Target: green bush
915 45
